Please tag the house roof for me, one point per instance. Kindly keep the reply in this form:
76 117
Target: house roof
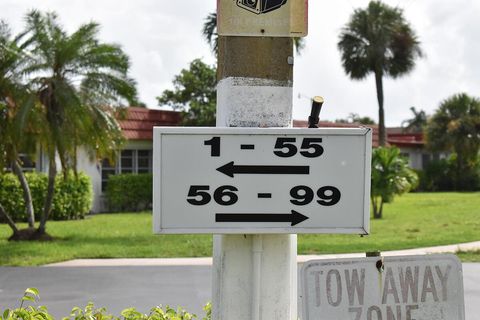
395 136
137 123
327 124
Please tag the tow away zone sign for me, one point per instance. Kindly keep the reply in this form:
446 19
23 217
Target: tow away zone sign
403 288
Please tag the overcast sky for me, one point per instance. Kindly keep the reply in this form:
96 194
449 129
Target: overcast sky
162 37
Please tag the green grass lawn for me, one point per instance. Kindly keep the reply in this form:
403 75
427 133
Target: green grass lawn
412 220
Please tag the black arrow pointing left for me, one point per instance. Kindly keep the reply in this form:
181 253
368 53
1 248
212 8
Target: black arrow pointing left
294 217
230 169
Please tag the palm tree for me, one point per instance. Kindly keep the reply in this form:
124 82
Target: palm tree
75 77
455 127
417 123
209 32
378 40
16 111
390 176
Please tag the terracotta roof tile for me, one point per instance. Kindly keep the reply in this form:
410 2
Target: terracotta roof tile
327 124
137 123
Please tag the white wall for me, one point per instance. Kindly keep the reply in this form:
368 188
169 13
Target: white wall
94 170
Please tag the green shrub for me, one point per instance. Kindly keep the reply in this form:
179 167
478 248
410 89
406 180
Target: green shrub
129 192
72 199
436 177
441 175
92 313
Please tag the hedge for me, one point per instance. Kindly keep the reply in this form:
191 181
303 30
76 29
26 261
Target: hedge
129 192
72 200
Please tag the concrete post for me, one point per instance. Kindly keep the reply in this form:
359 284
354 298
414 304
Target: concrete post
254 276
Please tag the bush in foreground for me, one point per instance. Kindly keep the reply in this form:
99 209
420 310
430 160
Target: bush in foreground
92 313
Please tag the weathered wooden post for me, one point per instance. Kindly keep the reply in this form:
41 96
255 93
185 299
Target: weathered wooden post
255 276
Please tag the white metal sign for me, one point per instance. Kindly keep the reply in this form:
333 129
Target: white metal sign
253 180
272 18
393 288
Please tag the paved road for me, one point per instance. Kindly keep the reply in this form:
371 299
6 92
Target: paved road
61 288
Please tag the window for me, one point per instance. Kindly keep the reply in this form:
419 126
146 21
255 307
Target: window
426 159
126 161
27 163
129 161
144 161
107 170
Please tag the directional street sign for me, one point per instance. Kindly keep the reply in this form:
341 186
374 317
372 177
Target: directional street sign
261 180
391 288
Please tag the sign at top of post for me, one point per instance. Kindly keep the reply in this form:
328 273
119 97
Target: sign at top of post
270 18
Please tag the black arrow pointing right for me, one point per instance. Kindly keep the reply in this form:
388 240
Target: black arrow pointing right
294 218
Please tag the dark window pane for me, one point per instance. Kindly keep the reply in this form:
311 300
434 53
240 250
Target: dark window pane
107 173
26 162
144 170
106 164
425 160
144 153
127 153
127 163
143 163
125 170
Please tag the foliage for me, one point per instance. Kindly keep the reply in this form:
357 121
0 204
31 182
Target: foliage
439 175
455 128
129 192
194 94
73 195
417 122
18 115
27 313
92 313
435 176
54 87
356 118
390 176
378 40
209 32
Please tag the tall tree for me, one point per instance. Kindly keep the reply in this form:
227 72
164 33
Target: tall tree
194 94
455 127
16 111
75 77
209 32
378 40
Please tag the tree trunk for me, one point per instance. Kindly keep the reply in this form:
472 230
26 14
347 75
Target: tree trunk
377 210
47 208
27 195
382 133
9 220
